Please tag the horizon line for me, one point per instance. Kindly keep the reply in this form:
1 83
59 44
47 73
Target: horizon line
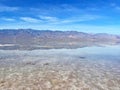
58 30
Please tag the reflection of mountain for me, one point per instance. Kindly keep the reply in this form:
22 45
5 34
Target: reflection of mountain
31 39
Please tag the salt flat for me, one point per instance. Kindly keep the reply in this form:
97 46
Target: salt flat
89 68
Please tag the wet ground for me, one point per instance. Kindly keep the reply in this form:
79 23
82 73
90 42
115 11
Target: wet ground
89 68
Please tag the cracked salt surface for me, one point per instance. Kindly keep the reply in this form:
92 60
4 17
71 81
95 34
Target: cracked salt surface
90 68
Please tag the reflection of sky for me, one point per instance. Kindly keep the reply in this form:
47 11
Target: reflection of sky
92 53
107 57
105 50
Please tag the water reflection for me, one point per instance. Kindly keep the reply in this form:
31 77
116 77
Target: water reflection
89 68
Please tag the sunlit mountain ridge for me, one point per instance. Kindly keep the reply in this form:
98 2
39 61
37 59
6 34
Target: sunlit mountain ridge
37 39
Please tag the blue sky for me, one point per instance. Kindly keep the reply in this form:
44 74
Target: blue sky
92 16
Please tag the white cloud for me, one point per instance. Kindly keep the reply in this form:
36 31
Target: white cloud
30 19
8 8
55 20
56 9
113 4
49 18
117 8
68 12
8 19
80 18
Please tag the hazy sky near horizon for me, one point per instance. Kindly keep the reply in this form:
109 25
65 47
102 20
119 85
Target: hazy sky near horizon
93 16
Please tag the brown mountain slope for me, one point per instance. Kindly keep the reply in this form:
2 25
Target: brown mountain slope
36 39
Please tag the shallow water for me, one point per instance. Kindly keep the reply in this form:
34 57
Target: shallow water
89 68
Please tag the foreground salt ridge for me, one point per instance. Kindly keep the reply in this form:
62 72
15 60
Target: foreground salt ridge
58 70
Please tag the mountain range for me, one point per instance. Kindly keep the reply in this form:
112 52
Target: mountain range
30 39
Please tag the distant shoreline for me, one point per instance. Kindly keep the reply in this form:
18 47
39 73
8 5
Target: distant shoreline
51 30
